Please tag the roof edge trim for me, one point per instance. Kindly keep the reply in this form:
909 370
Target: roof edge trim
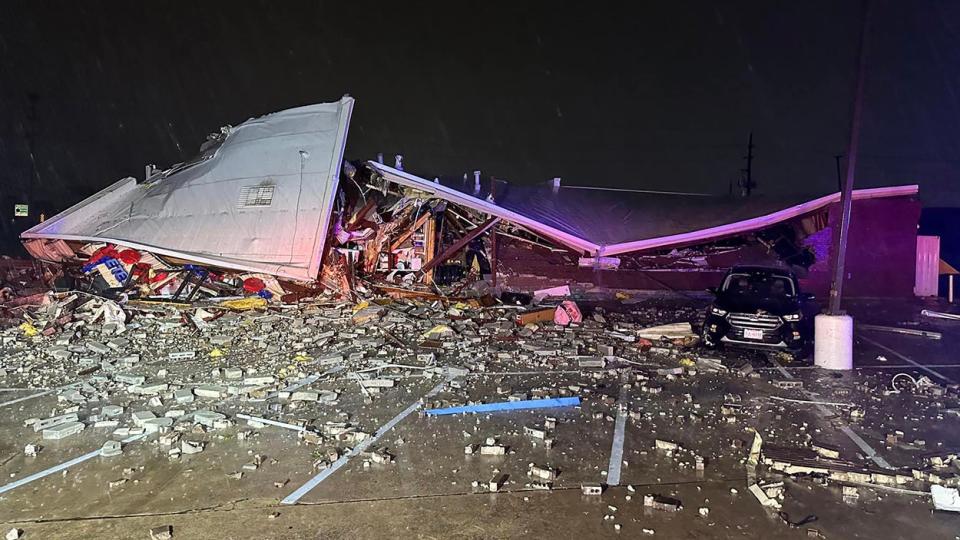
450 194
756 223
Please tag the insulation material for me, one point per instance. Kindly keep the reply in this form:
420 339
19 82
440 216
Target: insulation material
258 201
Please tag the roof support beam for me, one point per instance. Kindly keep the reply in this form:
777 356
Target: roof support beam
460 244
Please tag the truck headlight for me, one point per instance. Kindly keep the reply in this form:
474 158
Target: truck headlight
793 317
718 311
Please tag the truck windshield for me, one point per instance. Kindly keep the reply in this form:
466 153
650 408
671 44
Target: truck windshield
765 285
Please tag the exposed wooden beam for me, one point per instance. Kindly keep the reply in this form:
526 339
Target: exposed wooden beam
410 230
460 244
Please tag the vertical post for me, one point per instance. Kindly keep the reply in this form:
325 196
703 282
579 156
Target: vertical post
430 246
833 330
950 288
840 245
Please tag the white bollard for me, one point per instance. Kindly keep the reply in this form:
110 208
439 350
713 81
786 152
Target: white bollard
833 341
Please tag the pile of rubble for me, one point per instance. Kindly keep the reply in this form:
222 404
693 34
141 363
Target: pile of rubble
177 374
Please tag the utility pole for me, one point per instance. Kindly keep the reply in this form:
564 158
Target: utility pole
833 330
840 245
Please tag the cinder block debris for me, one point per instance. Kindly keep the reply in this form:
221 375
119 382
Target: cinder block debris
61 431
111 449
164 532
658 502
591 488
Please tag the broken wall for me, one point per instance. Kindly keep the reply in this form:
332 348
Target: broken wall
881 251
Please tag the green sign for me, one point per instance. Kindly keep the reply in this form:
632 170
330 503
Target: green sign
21 210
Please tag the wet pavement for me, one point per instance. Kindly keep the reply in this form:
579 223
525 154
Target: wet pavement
433 489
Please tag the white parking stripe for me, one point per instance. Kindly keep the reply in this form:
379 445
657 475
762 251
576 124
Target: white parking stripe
358 449
857 439
62 466
616 450
918 365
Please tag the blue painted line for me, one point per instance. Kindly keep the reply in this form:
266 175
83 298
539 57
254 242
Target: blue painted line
508 406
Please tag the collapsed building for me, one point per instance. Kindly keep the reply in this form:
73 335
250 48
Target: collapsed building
271 208
268 401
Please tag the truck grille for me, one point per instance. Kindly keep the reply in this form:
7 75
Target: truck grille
749 320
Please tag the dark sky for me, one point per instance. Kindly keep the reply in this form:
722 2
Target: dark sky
657 96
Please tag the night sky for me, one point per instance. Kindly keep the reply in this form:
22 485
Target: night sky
658 96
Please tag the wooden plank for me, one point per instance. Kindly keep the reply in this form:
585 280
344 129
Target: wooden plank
430 245
460 244
409 232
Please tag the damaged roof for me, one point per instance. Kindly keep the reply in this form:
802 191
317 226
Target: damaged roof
611 222
258 198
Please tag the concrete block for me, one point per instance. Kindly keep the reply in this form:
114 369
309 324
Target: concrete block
140 416
61 431
97 347
233 373
157 425
111 448
126 378
184 395
258 381
378 383
191 447
305 395
182 355
497 482
666 445
109 411
207 418
535 432
164 532
40 425
543 473
493 450
591 488
148 389
210 391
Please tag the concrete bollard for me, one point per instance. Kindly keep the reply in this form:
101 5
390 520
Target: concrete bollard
833 341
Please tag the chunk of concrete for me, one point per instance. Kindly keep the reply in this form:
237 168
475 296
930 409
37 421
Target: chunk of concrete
109 411
164 532
191 447
111 449
157 425
61 431
208 418
591 488
210 391
140 416
258 381
45 423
